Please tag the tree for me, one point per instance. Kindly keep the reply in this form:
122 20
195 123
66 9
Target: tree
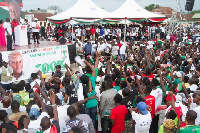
151 7
195 11
57 9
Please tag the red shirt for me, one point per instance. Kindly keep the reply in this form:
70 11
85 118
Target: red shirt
92 31
150 100
118 114
151 76
119 45
14 24
60 32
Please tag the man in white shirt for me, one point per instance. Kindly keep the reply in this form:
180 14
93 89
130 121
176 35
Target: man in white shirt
35 30
123 51
142 119
8 33
78 33
114 48
196 99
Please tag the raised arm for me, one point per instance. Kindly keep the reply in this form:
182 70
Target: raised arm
85 100
97 59
43 105
91 67
170 93
55 111
140 88
3 92
42 92
161 82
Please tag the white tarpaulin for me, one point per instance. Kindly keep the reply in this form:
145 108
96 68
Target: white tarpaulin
131 9
82 9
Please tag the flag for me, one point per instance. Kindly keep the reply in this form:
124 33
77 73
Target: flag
179 87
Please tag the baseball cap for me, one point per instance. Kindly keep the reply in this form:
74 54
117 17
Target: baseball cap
142 106
18 98
178 74
34 113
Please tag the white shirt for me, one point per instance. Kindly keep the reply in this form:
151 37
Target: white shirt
94 46
108 47
34 82
162 29
143 122
184 109
7 26
62 115
35 124
158 96
115 50
34 24
197 120
78 32
123 49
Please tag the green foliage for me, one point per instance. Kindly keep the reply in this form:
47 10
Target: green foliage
151 7
195 11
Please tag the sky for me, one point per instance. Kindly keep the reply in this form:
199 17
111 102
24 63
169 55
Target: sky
109 5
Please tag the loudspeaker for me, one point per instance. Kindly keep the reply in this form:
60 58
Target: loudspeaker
62 40
189 5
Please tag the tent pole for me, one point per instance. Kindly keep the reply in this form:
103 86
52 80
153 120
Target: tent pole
72 31
125 31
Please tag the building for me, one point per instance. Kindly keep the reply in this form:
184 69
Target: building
42 21
183 17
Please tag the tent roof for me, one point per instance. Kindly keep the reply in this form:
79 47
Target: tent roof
196 16
131 9
82 9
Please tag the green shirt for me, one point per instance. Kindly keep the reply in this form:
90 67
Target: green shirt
176 81
117 88
89 74
190 129
93 102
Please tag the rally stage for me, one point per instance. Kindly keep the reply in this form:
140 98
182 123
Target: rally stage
44 57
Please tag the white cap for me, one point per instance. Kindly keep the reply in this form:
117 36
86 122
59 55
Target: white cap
178 74
35 19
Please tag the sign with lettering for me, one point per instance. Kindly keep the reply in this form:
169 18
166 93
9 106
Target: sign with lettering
25 62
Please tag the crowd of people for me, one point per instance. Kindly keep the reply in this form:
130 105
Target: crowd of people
150 86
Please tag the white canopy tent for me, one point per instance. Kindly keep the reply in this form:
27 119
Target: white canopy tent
83 9
130 9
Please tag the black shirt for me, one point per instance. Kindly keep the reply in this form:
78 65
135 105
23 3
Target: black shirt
71 92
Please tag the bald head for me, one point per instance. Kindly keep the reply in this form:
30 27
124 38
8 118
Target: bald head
45 123
14 11
16 62
6 102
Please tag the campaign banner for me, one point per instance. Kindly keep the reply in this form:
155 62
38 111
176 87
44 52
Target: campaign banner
11 9
7 2
25 62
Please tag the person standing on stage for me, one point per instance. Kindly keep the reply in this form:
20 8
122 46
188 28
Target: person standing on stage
8 33
29 29
35 30
14 23
2 34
